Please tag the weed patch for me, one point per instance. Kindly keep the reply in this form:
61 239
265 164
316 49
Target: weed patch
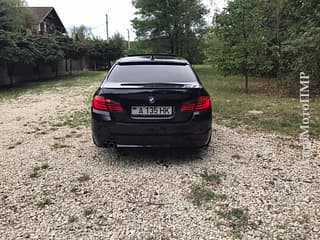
59 146
200 195
237 219
44 202
215 178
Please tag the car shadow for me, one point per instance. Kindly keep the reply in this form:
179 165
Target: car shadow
166 157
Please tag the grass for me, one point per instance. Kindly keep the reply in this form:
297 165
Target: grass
44 202
59 146
201 194
35 173
85 78
79 118
212 178
231 104
237 219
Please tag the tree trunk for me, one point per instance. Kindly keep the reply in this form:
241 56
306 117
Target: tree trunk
38 72
10 73
56 68
246 80
278 64
71 66
66 64
95 65
172 45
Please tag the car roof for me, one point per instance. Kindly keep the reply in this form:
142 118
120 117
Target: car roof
152 59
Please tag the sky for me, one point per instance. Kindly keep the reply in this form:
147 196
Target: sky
93 14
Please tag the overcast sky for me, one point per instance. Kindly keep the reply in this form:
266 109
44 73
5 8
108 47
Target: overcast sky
92 13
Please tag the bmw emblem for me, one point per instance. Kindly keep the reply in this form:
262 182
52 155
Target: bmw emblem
151 100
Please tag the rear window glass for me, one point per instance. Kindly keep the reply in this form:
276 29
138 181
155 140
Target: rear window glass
152 74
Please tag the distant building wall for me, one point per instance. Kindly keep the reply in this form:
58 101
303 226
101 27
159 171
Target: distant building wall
4 80
25 72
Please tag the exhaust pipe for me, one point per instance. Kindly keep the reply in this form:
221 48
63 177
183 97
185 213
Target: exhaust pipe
112 145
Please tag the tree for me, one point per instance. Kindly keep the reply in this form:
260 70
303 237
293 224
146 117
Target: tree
14 16
16 48
238 27
303 43
48 51
81 33
5 17
102 52
180 21
118 40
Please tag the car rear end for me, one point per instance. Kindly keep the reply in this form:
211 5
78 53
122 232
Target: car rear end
150 103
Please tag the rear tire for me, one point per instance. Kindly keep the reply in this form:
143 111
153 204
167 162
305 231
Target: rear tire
208 143
96 143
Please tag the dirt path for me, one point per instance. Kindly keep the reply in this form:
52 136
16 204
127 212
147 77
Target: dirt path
55 184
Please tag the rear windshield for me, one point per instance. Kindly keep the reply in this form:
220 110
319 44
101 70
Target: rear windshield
152 74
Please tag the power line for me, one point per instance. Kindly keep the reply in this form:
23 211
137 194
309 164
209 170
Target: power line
102 25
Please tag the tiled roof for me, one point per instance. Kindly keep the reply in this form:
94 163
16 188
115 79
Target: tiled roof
41 12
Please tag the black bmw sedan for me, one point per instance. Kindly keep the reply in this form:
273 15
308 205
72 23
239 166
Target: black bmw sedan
151 101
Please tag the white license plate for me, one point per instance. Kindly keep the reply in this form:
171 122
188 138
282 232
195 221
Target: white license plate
151 110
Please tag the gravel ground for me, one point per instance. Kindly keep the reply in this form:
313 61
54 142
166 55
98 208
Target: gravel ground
55 184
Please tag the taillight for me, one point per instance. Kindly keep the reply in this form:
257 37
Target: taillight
100 103
113 106
202 103
188 106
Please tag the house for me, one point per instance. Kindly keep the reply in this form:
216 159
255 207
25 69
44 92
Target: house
47 20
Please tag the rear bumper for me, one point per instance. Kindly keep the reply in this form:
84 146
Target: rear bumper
194 133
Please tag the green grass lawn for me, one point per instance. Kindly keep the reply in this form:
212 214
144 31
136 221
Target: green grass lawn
231 104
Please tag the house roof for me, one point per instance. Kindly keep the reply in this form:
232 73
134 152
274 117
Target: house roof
41 13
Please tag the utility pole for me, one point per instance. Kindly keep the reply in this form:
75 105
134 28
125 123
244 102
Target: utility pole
128 39
107 27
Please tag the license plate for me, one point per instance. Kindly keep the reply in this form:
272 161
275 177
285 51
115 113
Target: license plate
151 110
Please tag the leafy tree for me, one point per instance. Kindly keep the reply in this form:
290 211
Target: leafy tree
180 21
302 46
118 40
47 51
138 47
81 33
6 21
103 52
238 26
14 16
16 48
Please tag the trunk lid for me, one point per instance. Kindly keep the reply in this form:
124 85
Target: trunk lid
129 95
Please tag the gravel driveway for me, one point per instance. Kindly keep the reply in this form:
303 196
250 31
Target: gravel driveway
55 184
